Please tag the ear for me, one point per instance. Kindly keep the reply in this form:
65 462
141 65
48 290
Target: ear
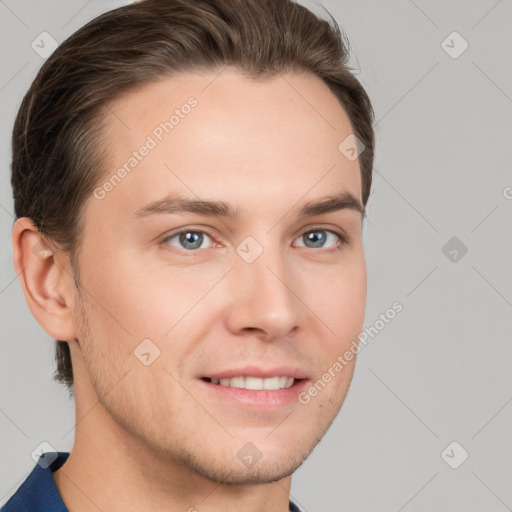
47 280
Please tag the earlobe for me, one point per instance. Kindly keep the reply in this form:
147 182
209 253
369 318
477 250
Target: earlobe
44 277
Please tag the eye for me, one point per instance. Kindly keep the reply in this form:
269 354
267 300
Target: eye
316 238
188 239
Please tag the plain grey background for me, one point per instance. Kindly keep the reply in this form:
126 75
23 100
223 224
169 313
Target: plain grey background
435 382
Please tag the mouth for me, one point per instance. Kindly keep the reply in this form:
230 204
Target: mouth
270 393
254 383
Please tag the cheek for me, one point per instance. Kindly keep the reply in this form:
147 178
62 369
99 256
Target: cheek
338 297
102 350
130 298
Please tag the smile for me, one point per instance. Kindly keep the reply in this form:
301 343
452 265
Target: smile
254 383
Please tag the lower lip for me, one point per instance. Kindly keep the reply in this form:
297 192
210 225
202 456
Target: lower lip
258 399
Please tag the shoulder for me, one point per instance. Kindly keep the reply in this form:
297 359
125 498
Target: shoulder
38 492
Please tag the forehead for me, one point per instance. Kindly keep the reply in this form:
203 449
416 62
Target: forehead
220 135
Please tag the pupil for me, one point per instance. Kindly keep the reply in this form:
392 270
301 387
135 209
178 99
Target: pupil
190 238
315 238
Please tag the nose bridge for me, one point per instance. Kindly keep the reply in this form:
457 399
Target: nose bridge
264 289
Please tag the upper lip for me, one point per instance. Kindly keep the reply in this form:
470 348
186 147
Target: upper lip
264 373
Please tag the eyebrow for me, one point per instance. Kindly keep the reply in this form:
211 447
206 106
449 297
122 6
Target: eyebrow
176 204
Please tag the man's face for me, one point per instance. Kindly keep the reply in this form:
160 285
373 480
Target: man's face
268 289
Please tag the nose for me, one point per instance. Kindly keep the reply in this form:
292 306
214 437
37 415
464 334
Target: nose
264 297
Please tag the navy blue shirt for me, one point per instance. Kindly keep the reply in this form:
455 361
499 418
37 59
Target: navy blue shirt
38 493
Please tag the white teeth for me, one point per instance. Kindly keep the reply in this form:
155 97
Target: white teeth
272 383
256 383
236 382
253 383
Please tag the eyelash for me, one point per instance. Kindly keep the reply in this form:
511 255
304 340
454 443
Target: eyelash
343 240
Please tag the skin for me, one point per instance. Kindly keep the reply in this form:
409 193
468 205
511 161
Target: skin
152 432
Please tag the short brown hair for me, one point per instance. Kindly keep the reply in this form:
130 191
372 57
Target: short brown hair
58 157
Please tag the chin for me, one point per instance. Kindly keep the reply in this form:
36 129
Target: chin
228 467
261 473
